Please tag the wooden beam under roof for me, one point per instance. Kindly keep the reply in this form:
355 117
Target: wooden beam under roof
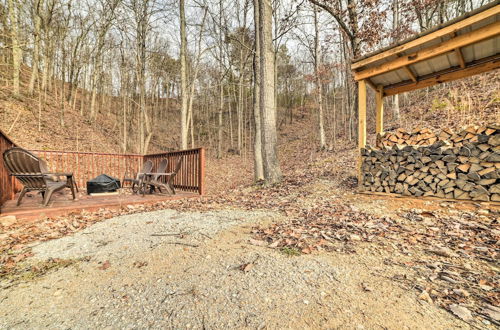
371 84
428 37
410 73
488 64
458 54
460 57
486 32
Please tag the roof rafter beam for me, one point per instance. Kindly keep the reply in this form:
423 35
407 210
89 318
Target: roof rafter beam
371 84
428 37
458 54
486 32
487 64
460 57
410 73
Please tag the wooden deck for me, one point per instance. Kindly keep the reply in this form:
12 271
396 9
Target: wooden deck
61 203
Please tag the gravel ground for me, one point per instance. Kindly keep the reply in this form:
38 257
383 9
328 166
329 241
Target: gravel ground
118 238
168 269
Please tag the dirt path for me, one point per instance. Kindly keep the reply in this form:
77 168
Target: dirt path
197 270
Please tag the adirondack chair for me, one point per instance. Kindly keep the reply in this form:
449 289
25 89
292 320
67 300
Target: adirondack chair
162 168
147 167
31 171
154 181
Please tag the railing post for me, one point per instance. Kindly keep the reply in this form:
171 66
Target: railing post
201 172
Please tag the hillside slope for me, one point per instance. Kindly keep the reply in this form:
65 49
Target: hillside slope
475 100
34 122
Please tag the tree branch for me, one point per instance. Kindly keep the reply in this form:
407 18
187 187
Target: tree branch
332 12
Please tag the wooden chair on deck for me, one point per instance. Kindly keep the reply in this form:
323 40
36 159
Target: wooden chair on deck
147 167
31 171
153 180
162 168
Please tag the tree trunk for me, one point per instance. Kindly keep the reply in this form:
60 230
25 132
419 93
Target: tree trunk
319 84
184 77
16 48
272 170
258 162
36 49
395 22
221 85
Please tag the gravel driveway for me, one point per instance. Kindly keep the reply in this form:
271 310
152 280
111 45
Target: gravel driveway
168 269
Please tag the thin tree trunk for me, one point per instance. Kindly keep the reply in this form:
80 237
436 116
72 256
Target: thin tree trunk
258 162
184 77
319 85
16 48
395 98
221 85
36 49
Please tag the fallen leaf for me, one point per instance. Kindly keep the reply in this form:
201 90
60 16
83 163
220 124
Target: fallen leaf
425 297
140 264
306 250
366 287
492 311
246 267
461 312
443 251
275 244
105 265
257 242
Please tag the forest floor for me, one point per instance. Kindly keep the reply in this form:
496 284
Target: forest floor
205 273
307 253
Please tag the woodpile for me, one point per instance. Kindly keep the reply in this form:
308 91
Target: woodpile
425 137
466 168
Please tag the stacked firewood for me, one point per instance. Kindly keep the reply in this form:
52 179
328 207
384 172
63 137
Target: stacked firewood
424 136
458 169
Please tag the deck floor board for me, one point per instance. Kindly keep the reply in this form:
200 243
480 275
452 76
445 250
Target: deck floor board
62 204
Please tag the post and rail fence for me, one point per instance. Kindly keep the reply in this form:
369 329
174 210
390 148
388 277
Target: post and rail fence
87 165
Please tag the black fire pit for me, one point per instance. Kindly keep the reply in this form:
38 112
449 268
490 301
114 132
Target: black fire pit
102 184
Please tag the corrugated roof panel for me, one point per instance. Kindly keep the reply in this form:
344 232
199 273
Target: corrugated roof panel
402 75
420 68
443 61
486 48
468 53
430 66
490 9
389 78
451 60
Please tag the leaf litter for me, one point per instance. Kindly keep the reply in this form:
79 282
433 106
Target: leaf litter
452 257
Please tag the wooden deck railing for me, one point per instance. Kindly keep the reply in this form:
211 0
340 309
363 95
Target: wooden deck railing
8 185
191 174
88 165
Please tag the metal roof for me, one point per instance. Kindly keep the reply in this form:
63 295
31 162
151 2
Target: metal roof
467 45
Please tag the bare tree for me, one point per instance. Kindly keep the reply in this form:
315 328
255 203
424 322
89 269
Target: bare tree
16 47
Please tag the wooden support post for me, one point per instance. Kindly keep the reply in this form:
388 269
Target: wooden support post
201 172
361 123
379 98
